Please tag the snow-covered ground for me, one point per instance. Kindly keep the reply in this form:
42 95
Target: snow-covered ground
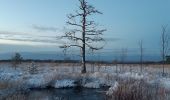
68 75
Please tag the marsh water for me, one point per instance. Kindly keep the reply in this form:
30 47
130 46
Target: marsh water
66 94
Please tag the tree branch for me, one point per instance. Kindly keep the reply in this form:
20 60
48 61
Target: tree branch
68 46
72 38
74 24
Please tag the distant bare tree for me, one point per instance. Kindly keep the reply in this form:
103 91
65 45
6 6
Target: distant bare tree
93 61
33 69
164 46
84 33
115 63
16 59
141 54
123 57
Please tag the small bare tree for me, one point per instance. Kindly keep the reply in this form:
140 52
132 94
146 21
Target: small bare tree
16 60
84 32
123 57
141 54
92 61
164 46
33 69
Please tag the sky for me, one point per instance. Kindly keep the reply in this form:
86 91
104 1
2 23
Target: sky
32 25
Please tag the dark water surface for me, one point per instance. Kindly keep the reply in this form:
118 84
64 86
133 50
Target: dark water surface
66 94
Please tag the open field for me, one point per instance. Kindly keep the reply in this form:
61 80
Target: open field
136 67
63 75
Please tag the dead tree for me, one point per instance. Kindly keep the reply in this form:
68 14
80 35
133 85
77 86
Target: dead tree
141 54
123 57
16 60
164 46
92 61
83 33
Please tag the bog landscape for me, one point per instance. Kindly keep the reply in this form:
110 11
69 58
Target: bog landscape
84 50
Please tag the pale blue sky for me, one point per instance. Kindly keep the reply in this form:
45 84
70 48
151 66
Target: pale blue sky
128 21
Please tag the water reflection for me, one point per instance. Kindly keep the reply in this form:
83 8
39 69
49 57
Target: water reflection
66 94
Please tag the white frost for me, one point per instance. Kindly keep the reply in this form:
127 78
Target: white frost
92 85
133 75
112 89
165 82
64 83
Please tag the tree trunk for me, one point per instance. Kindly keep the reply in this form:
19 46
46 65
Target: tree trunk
83 60
83 53
83 40
163 55
163 74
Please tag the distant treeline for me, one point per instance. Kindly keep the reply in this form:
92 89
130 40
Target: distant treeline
77 61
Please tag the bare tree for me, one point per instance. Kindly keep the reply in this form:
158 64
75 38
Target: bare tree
115 63
123 57
83 32
164 46
16 59
141 54
93 61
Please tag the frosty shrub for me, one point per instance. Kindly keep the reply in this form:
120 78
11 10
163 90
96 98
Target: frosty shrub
32 69
16 60
137 90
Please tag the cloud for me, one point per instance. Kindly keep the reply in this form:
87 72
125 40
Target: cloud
44 28
22 38
34 39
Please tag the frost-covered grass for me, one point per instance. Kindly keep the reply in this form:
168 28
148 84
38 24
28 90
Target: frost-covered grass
69 75
136 90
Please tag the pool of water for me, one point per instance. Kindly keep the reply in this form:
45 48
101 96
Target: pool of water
66 94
